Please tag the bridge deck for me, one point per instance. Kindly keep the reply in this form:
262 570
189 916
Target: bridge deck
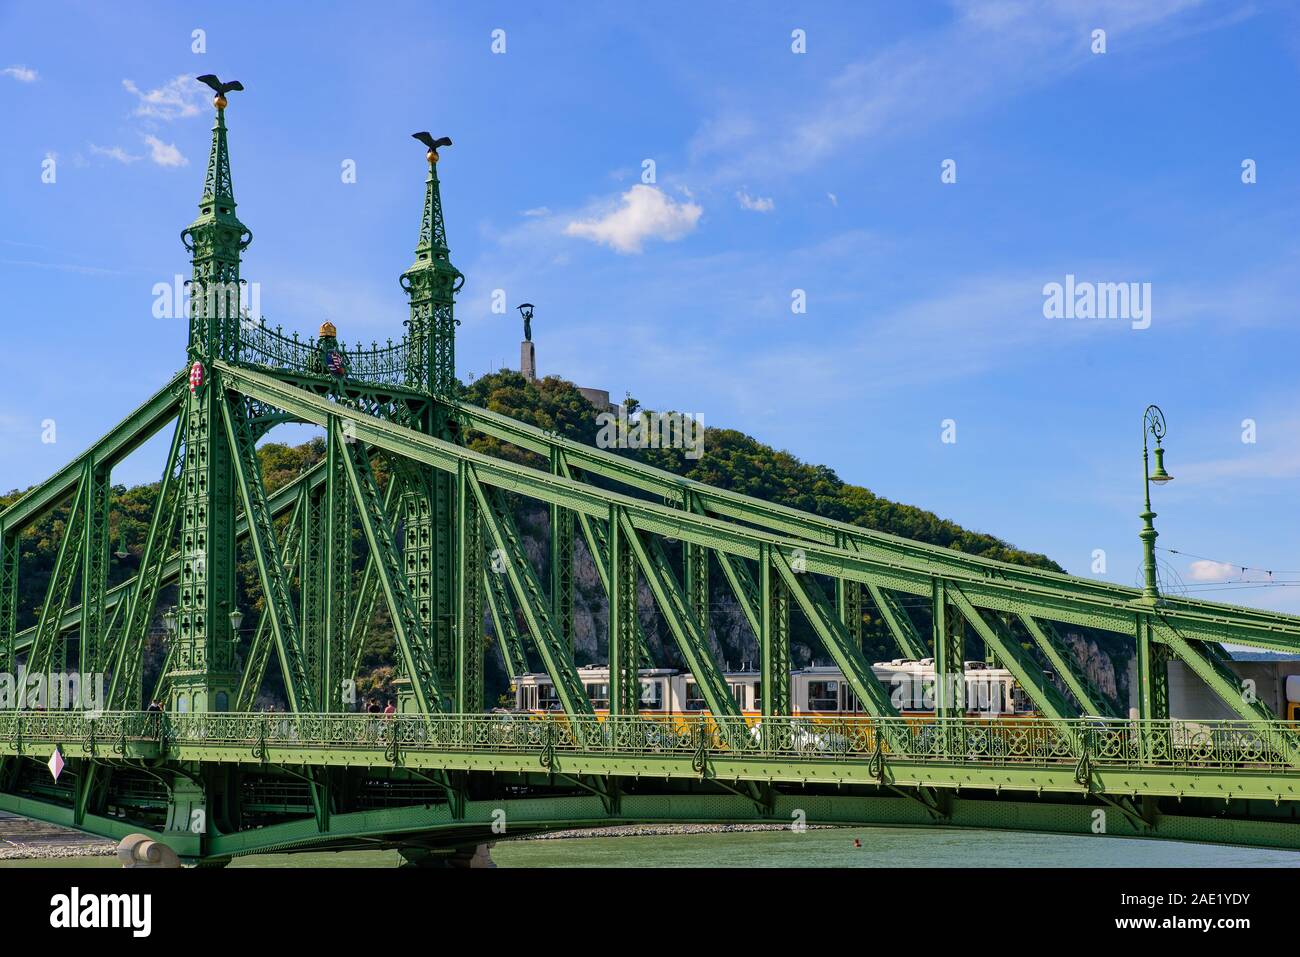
1173 758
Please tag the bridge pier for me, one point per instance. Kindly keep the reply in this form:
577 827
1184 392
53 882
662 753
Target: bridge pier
469 858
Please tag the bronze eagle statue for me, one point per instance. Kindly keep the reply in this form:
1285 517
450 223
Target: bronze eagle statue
221 89
430 142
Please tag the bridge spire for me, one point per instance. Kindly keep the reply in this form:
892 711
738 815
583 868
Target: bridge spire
202 669
431 283
429 506
215 240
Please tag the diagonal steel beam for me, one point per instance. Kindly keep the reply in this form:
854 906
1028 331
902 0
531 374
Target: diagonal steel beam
820 613
125 654
412 639
1045 695
259 652
596 534
898 622
47 650
503 621
658 573
1092 700
368 592
270 570
557 657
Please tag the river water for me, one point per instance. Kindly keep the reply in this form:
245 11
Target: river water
881 847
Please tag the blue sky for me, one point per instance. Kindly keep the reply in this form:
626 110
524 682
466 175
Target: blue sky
775 171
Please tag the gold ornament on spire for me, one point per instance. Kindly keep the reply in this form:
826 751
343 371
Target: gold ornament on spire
221 89
429 141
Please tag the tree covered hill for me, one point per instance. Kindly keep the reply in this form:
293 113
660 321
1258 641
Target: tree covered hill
735 461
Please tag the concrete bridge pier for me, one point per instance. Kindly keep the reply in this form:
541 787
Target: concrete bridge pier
469 858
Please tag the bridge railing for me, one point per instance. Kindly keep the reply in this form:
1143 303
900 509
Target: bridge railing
1020 742
262 347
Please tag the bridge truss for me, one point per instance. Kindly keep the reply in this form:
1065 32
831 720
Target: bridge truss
431 523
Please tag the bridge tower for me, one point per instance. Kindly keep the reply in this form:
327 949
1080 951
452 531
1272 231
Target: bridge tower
428 507
201 671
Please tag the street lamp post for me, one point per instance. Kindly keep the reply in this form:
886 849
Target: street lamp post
1153 422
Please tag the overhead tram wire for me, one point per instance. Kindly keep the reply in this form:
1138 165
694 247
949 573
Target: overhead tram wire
1244 568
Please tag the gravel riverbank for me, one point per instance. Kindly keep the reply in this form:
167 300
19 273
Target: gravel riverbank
25 839
651 830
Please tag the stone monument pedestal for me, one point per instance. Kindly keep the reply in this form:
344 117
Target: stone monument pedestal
527 360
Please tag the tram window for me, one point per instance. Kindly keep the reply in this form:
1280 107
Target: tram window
652 696
598 693
823 696
694 700
738 692
848 700
547 699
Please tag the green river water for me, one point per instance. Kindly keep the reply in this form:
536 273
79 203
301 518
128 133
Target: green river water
881 847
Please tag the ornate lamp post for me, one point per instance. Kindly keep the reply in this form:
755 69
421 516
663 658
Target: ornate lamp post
1153 422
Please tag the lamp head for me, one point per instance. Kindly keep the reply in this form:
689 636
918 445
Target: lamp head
1160 476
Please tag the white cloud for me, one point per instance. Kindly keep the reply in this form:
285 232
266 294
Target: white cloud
1208 571
164 154
178 98
756 204
986 53
835 200
642 213
115 153
20 73
537 211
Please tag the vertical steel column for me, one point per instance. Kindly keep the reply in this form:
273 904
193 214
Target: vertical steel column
446 585
624 656
1152 673
428 547
417 554
469 598
335 663
848 598
848 603
695 577
561 562
9 550
94 571
311 584
773 637
949 632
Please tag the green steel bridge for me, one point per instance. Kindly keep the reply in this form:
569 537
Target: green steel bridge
437 546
